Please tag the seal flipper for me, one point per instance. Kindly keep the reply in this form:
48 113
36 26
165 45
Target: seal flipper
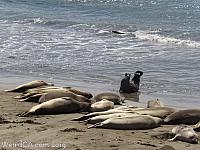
174 138
82 118
96 125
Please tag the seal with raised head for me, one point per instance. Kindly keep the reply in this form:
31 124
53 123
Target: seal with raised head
115 98
197 127
187 116
102 105
29 85
132 86
140 122
62 105
184 133
155 103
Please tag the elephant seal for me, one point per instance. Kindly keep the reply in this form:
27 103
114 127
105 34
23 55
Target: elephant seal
102 105
56 94
62 105
102 118
160 112
118 32
132 86
115 98
39 90
140 122
29 85
184 133
197 127
154 103
188 116
79 92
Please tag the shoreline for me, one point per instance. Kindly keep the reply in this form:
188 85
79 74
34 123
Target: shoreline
8 81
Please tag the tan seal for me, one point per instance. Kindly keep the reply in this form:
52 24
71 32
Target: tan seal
155 103
102 105
29 85
108 96
184 133
187 116
140 122
62 105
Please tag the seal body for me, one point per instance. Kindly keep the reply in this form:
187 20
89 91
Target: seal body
184 133
115 98
79 92
197 127
140 122
29 85
160 112
56 94
62 105
102 118
132 86
102 105
188 116
154 103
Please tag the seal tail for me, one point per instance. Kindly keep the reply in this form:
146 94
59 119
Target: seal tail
96 125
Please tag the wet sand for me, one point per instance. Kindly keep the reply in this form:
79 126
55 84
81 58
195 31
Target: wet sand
58 132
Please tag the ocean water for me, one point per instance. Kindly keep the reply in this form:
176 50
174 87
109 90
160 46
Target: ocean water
69 42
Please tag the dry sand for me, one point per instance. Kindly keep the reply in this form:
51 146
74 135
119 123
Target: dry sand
46 132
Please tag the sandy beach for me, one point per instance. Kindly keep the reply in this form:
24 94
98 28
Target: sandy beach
58 132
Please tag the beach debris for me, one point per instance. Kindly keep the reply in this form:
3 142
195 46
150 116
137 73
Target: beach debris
184 133
167 147
72 130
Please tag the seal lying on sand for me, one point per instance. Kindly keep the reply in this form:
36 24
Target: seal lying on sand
188 116
184 133
102 118
140 122
51 94
56 94
39 90
62 105
115 98
29 85
130 87
154 103
160 112
102 105
197 127
79 92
